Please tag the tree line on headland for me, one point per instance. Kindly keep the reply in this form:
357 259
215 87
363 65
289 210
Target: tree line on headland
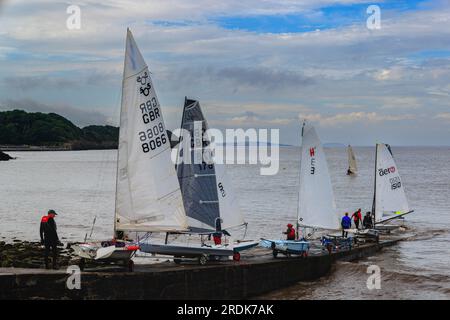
18 127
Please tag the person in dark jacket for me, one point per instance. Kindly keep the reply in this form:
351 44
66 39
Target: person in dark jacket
49 237
290 232
367 222
346 223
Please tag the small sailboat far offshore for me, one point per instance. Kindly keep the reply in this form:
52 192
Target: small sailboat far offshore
316 208
352 168
210 204
389 199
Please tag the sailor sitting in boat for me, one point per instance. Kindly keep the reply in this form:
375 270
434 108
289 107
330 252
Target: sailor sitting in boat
217 236
290 232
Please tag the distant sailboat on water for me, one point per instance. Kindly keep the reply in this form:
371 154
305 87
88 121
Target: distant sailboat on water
352 168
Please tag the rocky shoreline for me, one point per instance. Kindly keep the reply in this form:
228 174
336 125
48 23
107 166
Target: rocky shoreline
26 254
5 157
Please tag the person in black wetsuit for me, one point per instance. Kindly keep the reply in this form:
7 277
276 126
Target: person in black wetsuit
49 237
367 222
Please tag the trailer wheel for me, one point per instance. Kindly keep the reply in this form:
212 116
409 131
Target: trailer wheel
236 256
275 253
130 265
202 260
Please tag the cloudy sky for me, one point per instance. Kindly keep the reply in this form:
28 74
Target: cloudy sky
251 63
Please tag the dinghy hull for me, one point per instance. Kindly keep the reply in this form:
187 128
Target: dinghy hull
298 247
106 252
192 251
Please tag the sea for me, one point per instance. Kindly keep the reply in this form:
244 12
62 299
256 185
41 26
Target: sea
80 186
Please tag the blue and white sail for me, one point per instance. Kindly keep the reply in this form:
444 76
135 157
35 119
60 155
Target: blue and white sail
316 207
148 196
209 201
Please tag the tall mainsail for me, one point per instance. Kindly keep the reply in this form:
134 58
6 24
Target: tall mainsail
390 197
352 168
316 208
148 196
208 197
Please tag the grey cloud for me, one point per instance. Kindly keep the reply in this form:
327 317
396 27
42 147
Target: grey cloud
259 78
92 78
264 78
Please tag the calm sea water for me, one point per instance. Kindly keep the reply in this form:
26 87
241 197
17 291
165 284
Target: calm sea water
81 186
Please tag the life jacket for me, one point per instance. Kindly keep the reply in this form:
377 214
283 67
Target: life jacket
356 216
217 237
291 234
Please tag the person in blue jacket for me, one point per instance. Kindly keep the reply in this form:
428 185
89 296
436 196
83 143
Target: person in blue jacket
346 223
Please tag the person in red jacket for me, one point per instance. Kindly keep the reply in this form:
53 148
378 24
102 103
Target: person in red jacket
290 232
357 218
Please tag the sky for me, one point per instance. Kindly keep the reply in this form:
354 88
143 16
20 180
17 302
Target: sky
250 63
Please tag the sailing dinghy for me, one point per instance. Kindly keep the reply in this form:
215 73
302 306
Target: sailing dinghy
210 204
148 196
389 200
316 208
352 168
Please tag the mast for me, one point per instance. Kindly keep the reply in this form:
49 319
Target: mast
374 186
298 195
117 160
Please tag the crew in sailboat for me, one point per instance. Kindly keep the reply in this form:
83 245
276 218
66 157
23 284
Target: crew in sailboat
352 168
290 232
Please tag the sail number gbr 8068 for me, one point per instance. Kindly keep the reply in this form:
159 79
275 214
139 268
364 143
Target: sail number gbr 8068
154 136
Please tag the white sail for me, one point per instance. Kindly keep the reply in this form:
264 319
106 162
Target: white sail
148 196
316 208
352 168
390 197
228 202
